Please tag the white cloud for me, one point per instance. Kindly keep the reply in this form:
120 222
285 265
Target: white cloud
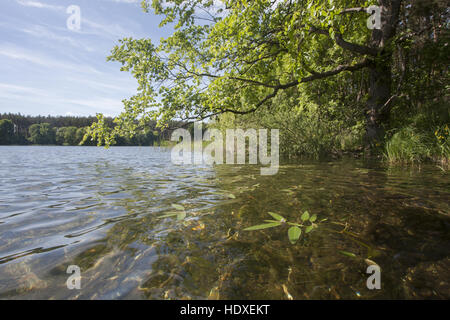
100 104
17 53
92 104
37 4
114 31
43 32
9 90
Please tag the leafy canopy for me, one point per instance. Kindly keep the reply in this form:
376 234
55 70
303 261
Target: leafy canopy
234 56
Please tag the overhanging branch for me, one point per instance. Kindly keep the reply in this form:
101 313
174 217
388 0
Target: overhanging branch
315 76
339 39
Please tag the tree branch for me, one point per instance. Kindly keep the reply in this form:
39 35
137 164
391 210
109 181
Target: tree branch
338 38
315 76
353 10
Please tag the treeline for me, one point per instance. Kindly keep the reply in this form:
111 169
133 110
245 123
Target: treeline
17 129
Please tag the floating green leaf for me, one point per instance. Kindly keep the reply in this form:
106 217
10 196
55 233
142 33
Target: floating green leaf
294 234
309 229
178 207
263 226
276 216
181 215
232 196
305 216
313 218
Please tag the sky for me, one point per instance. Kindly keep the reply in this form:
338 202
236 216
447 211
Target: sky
47 68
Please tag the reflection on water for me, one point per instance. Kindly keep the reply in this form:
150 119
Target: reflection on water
99 209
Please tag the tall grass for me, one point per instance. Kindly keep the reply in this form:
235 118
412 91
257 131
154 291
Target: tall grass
408 146
411 146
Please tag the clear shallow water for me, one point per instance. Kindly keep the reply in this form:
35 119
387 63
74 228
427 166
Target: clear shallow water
99 209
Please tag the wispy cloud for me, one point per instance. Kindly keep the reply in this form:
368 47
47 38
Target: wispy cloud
9 90
17 53
42 32
114 31
108 106
38 4
100 104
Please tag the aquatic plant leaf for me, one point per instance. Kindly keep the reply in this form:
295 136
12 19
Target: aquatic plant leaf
232 196
313 218
370 262
348 254
263 226
295 224
181 215
276 216
178 207
168 215
294 234
309 229
305 216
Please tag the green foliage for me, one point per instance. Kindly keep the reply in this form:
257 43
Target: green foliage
42 134
180 213
6 132
294 234
67 136
294 230
235 60
408 146
348 254
306 128
263 226
73 131
442 140
283 65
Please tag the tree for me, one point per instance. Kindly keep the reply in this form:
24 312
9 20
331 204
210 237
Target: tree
6 132
70 136
60 135
41 134
237 57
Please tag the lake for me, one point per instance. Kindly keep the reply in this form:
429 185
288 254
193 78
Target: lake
103 210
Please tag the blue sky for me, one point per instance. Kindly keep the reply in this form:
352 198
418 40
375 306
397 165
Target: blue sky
45 68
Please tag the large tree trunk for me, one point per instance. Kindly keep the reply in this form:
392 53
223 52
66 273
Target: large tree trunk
380 77
379 94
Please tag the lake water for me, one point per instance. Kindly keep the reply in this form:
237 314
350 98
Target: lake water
101 210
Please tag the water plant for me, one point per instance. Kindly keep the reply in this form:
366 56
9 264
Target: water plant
180 213
295 230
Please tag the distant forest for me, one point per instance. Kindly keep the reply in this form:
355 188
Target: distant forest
17 129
